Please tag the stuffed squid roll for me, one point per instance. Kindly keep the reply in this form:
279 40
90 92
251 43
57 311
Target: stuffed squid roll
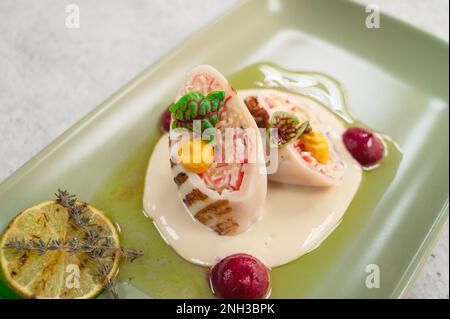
224 188
306 155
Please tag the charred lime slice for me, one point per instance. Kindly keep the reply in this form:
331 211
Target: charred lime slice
35 268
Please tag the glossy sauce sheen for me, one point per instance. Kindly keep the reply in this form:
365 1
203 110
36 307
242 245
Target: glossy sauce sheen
295 219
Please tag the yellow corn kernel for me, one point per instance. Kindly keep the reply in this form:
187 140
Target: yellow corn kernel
196 155
316 144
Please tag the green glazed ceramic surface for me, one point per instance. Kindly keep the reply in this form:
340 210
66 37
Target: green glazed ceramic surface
396 79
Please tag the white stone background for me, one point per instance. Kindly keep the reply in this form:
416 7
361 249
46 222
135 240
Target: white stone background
51 76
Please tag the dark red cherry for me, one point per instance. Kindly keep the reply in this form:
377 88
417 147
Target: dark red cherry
240 276
165 120
364 146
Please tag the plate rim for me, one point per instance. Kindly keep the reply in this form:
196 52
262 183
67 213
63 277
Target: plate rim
416 263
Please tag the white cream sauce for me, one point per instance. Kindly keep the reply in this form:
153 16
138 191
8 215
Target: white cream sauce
295 219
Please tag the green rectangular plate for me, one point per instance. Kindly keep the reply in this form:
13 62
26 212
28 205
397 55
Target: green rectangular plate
397 82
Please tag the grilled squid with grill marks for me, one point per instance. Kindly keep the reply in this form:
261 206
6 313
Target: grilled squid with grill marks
306 154
221 188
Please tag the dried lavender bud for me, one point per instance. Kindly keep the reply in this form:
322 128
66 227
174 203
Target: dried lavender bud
108 242
54 244
97 253
64 198
72 245
130 254
18 245
38 245
92 236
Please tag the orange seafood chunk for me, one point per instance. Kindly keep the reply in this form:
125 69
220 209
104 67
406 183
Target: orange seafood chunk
315 143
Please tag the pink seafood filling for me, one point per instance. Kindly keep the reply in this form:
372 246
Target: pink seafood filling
203 83
331 168
223 175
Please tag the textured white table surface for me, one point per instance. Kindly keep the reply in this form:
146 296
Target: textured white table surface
51 76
